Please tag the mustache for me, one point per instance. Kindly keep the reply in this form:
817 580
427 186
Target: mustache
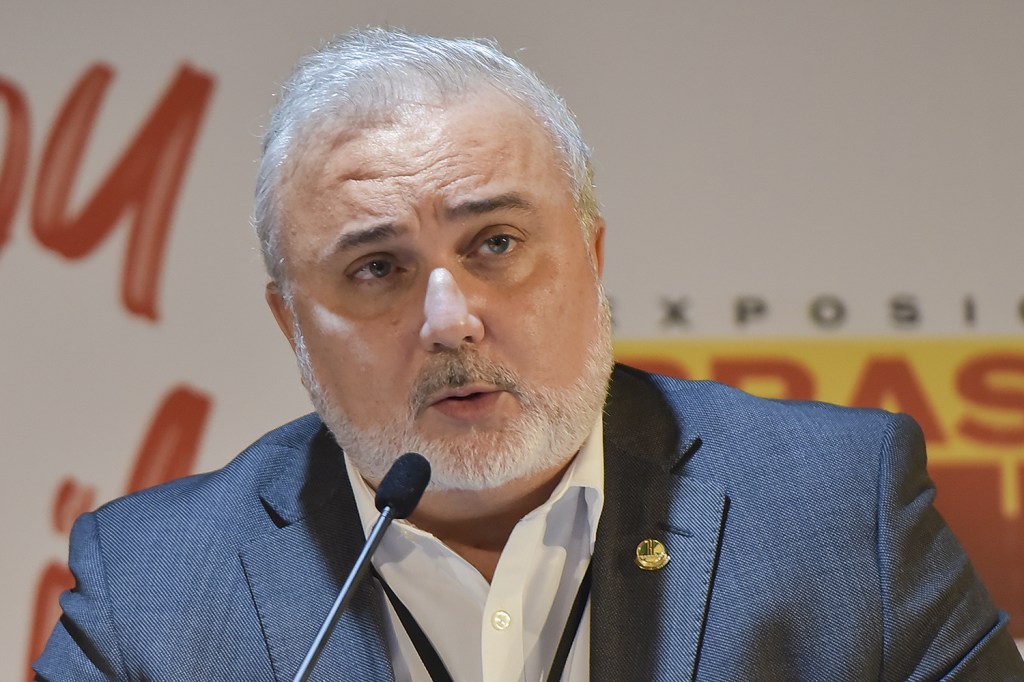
452 369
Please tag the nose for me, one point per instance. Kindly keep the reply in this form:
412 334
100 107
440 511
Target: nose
447 322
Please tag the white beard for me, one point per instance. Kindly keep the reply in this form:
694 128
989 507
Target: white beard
549 430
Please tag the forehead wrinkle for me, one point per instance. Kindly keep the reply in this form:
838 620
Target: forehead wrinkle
371 176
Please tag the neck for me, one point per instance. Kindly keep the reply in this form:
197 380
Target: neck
476 524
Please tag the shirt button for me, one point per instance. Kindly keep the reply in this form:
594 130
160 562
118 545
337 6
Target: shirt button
501 620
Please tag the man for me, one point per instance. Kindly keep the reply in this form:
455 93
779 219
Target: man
428 219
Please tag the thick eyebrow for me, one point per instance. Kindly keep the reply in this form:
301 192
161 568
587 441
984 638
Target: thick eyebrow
475 207
370 235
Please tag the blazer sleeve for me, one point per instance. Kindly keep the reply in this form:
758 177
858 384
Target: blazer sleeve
84 643
939 622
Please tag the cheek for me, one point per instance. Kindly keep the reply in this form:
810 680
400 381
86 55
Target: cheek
357 363
554 324
567 297
339 350
331 322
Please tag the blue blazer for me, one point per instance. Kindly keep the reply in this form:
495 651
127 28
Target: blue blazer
803 544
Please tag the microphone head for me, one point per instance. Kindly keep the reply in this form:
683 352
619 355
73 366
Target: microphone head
403 485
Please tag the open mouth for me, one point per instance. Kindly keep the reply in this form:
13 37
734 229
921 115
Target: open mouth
472 406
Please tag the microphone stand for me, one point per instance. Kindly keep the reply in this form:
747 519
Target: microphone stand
355 576
397 496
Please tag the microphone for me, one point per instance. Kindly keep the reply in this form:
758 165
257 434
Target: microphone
397 496
403 485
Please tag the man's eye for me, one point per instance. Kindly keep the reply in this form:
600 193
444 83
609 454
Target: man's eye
498 244
375 269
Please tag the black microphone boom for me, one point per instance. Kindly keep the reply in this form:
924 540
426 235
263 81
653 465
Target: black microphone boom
397 496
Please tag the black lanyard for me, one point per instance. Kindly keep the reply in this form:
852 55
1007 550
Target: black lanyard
432 660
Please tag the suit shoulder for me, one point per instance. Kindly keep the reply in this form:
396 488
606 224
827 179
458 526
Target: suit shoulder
714 405
209 499
748 436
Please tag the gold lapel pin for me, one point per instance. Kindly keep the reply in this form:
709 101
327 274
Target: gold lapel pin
651 555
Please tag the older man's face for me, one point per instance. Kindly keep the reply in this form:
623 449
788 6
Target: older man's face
444 297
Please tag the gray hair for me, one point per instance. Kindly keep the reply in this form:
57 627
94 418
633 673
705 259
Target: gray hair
367 73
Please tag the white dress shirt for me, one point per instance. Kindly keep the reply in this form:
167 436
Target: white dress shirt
508 630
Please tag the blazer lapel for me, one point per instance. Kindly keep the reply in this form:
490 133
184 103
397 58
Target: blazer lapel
648 624
295 571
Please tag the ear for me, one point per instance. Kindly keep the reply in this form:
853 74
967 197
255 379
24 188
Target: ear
596 246
282 311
